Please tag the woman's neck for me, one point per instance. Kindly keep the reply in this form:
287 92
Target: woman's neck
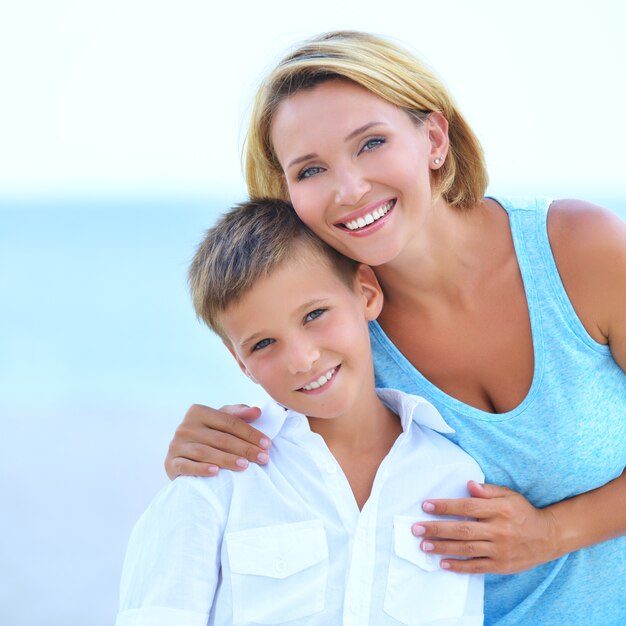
453 251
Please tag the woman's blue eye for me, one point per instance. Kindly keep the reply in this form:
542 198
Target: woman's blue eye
308 172
314 314
262 344
373 143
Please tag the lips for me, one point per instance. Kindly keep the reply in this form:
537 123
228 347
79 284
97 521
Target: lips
368 217
320 381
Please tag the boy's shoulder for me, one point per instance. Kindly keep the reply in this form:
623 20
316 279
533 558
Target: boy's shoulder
273 417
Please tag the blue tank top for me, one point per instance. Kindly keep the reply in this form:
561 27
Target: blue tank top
568 436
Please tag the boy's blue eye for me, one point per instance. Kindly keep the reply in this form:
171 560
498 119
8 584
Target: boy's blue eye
314 314
262 344
308 172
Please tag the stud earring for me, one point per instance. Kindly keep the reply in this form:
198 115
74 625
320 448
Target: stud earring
438 160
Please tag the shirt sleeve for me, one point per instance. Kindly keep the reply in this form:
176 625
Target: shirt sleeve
172 563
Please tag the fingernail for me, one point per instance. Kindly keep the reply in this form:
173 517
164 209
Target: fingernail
213 469
429 507
418 530
427 546
265 443
243 463
262 457
445 565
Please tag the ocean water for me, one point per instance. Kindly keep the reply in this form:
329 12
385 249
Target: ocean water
100 356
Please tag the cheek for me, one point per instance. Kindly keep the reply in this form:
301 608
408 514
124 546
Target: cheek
263 370
348 332
305 206
309 199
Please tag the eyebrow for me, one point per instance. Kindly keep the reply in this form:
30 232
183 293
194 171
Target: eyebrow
361 129
352 135
251 340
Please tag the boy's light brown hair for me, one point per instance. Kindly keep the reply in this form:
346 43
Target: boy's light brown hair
247 243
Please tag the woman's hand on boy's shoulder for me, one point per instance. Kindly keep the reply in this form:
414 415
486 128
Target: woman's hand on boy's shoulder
589 247
209 439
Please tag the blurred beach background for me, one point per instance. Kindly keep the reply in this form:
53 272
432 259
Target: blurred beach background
121 124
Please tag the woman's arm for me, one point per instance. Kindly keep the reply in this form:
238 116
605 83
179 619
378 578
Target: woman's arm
210 439
510 535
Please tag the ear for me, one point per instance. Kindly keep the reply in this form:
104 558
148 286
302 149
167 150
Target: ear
437 126
242 367
367 285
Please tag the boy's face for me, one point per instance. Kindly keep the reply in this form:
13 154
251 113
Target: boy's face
302 334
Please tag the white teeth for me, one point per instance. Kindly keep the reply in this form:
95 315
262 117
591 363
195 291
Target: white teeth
321 381
369 218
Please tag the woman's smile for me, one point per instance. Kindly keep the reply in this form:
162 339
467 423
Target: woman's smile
359 222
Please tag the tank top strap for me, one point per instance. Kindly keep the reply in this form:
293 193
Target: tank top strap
544 289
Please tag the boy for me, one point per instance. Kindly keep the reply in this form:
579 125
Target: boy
322 534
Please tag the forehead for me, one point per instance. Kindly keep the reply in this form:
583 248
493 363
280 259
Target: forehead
340 104
307 278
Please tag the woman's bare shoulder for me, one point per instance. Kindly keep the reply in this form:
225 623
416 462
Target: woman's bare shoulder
577 217
589 246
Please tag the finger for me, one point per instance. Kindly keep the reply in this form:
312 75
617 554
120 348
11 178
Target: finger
479 490
187 467
471 566
243 411
467 549
221 421
220 447
478 508
456 531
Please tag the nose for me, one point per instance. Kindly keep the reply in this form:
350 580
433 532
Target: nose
301 356
351 185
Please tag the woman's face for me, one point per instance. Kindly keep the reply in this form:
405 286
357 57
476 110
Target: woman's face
357 167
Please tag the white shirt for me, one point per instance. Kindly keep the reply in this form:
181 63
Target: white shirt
286 542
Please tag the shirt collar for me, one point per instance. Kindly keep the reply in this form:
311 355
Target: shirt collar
273 416
412 408
408 407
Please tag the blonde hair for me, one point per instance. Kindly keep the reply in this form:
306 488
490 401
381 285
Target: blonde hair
389 72
247 243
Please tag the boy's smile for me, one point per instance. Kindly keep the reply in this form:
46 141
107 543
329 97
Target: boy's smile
302 333
322 382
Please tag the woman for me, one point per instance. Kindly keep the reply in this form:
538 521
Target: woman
508 314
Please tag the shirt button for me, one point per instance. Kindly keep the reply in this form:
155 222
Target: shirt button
430 559
354 608
280 565
360 534
331 468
